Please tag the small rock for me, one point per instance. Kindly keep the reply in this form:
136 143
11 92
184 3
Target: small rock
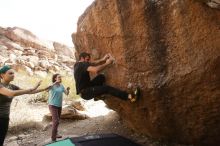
13 138
22 136
46 127
13 143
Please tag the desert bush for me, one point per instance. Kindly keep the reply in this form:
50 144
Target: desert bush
23 80
26 116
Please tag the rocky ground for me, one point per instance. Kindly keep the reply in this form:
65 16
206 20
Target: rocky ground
23 50
102 120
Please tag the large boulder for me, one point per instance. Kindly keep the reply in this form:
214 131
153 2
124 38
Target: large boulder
19 46
63 49
68 112
171 49
27 38
212 3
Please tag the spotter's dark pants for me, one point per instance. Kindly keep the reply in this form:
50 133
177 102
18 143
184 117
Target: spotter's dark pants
4 122
55 112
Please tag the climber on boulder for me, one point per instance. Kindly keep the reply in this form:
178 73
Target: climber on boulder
96 87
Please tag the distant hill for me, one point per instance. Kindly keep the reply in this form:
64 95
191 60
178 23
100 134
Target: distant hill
25 51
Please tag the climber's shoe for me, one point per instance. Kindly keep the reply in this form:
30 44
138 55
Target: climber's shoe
135 95
102 97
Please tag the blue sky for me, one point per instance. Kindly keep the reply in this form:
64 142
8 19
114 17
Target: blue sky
52 20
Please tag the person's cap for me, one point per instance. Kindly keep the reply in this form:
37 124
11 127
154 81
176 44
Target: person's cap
4 69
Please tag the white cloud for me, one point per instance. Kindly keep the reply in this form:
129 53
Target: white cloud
49 19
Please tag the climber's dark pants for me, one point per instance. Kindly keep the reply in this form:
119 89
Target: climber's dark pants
97 88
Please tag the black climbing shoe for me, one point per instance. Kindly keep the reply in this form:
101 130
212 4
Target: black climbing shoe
102 97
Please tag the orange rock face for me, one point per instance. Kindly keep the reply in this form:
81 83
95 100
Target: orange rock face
171 49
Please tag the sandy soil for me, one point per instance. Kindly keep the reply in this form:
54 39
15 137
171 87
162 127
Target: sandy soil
106 121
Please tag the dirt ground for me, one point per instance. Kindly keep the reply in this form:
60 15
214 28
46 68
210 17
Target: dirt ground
100 123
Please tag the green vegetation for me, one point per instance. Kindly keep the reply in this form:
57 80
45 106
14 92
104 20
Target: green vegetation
29 116
23 80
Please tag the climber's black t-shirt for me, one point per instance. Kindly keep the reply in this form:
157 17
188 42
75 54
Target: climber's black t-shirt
81 76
